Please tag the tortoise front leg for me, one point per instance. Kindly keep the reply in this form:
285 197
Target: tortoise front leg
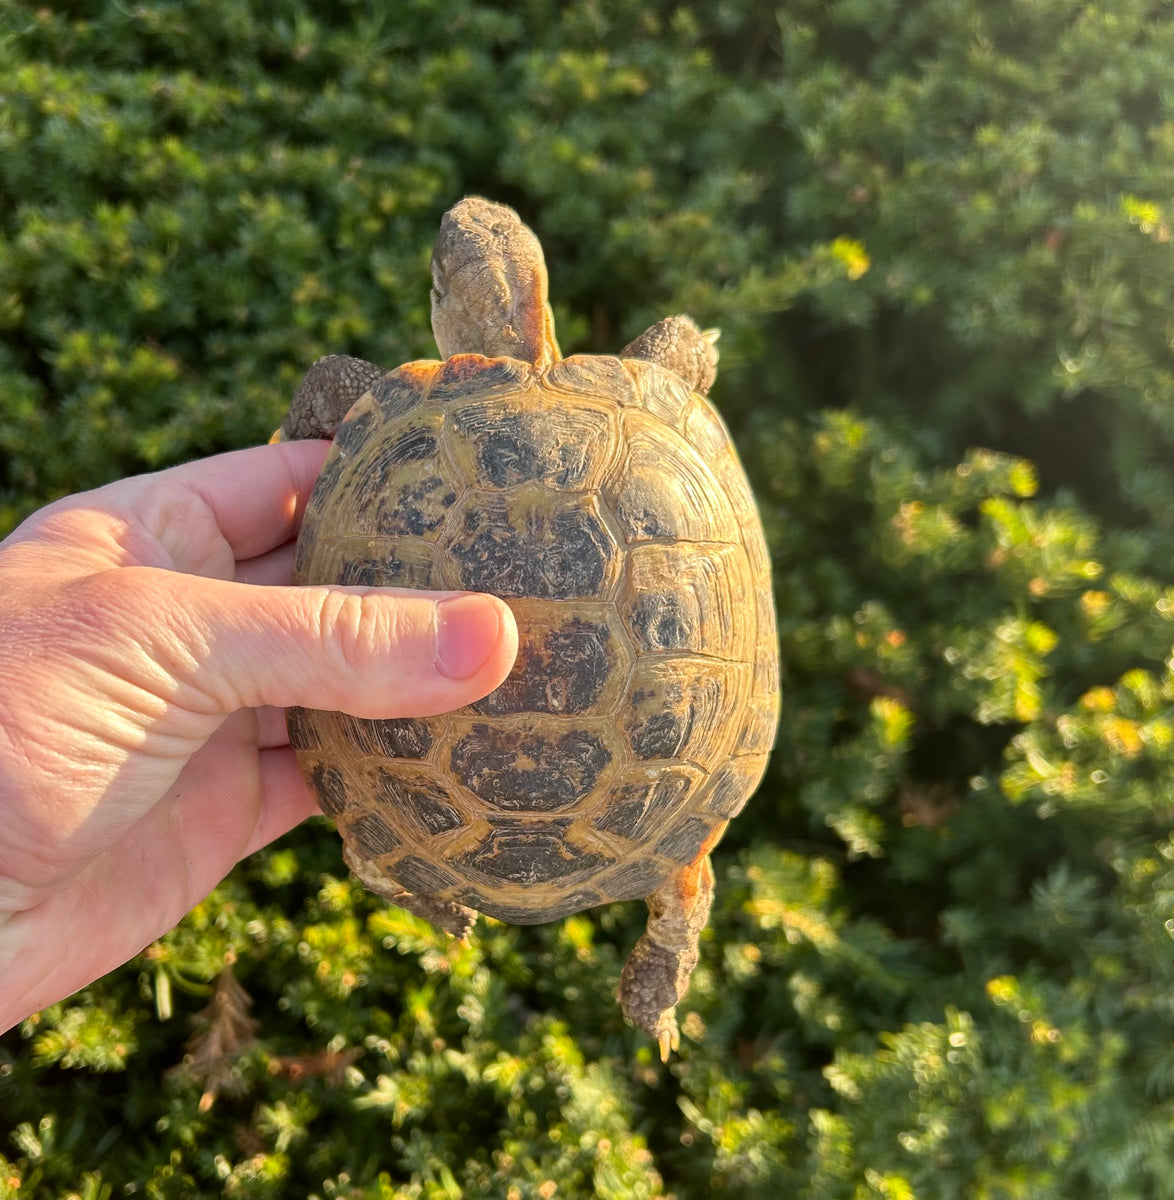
326 394
677 344
656 976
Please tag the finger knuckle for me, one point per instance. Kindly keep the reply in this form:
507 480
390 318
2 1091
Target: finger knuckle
357 629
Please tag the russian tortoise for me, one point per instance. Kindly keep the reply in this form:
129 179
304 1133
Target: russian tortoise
603 499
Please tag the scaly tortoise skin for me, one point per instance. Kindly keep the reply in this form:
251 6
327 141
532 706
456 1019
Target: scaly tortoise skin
603 498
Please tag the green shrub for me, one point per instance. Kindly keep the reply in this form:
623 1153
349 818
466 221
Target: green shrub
942 958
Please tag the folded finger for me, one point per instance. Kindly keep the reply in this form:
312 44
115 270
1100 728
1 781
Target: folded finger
255 497
271 731
273 568
286 799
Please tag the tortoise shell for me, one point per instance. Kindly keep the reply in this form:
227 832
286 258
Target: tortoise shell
604 500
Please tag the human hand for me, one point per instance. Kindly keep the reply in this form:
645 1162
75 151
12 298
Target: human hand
147 651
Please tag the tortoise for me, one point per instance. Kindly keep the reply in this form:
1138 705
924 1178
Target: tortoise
602 498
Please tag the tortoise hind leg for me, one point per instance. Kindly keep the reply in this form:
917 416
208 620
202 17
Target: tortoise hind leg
656 975
677 344
444 915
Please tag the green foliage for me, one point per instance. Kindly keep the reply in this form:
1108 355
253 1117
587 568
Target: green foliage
942 958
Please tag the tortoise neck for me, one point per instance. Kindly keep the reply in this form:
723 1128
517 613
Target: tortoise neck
489 287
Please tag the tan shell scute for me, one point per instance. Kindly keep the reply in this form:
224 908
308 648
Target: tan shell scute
604 500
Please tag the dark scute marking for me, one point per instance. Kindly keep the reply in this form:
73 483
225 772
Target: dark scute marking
732 786
396 393
659 622
372 835
401 501
436 815
641 512
633 879
330 788
576 561
420 877
661 736
508 454
327 480
429 805
378 472
529 772
728 795
531 854
305 547
415 516
300 726
383 572
396 737
464 371
559 446
524 914
642 523
632 807
565 671
560 559
411 446
683 844
353 433
623 816
366 572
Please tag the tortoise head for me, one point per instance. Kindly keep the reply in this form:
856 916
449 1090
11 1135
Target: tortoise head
489 286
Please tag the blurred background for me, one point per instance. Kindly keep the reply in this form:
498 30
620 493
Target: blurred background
936 237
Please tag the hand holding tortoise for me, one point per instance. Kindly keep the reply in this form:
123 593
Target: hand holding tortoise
147 648
140 756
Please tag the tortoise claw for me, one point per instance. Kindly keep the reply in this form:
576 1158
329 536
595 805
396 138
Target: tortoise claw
668 1041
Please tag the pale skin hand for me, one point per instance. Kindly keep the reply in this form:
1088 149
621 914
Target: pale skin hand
147 650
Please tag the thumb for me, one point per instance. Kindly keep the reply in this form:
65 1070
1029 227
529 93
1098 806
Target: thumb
387 652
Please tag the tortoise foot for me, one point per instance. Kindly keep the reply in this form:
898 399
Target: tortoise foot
678 345
445 916
326 394
656 976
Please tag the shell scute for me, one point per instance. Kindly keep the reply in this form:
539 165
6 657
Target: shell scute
580 375
645 800
397 737
633 879
538 766
399 391
660 487
684 708
684 841
462 375
372 835
689 596
532 542
422 876
418 802
400 484
363 561
526 853
659 392
571 660
732 785
500 441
